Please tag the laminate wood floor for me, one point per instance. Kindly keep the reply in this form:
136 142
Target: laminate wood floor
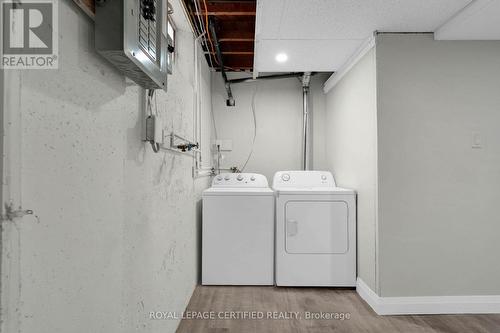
225 302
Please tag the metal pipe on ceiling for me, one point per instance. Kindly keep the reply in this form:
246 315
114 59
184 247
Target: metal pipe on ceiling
267 77
230 99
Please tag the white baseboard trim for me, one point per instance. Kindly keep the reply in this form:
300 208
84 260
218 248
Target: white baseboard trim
428 304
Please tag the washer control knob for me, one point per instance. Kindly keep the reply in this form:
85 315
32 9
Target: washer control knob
323 177
219 178
240 178
285 177
252 178
227 178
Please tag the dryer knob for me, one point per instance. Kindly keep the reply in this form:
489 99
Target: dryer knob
285 177
219 178
252 178
240 178
226 178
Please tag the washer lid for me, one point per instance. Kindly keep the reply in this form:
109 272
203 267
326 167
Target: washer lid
235 191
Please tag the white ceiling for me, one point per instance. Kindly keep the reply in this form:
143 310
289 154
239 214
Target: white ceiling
321 35
478 21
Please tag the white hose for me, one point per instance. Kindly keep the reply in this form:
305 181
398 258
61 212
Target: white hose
254 128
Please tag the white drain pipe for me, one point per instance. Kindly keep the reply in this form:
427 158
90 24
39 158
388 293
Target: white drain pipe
306 144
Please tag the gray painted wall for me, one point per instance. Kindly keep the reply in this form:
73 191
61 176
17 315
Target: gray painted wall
351 144
117 235
438 196
278 107
428 225
2 111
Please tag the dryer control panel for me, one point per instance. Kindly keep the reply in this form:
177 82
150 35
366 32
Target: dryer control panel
303 179
240 180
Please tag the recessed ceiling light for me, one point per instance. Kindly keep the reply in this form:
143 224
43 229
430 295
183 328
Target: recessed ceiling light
281 57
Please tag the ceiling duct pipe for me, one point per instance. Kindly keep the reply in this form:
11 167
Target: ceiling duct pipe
227 84
266 77
306 149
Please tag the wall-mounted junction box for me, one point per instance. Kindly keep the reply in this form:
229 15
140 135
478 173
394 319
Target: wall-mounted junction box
131 34
154 129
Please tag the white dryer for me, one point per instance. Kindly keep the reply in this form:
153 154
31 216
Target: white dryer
238 231
315 230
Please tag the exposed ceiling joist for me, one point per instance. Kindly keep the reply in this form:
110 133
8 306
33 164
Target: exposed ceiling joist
234 52
225 13
236 39
232 8
234 22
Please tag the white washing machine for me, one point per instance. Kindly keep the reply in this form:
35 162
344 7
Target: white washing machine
238 231
315 230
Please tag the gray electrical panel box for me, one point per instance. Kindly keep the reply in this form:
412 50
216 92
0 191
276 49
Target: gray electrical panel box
132 35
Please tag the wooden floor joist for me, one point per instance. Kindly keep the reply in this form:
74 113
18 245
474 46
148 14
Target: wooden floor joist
235 27
227 13
234 52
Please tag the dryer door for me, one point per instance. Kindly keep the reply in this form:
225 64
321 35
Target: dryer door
315 227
